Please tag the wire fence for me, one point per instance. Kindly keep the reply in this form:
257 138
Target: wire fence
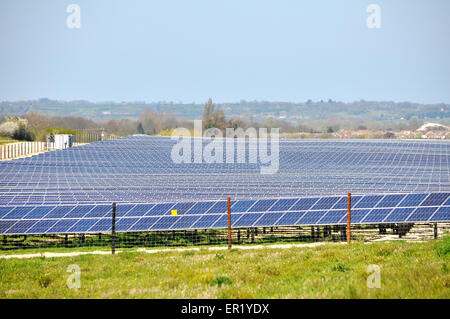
219 237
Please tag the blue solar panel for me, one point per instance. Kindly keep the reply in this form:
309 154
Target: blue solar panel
62 226
332 217
206 221
289 218
21 226
185 222
246 220
123 209
165 222
160 209
422 214
78 211
399 215
283 204
124 224
368 201
377 215
268 219
304 204
311 217
442 214
447 203
242 206
39 212
222 222
220 207
139 210
83 225
391 200
103 225
413 200
6 224
200 207
100 211
342 203
181 208
357 215
435 199
325 203
4 211
145 223
59 211
262 205
18 213
41 226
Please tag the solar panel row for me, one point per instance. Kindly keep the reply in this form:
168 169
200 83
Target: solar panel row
139 169
390 208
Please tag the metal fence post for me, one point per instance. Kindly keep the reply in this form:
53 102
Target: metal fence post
229 223
349 217
113 229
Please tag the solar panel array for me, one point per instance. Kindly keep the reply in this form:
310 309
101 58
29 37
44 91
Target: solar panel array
70 191
368 209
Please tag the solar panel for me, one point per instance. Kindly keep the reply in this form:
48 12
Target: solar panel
435 199
391 200
21 226
201 207
123 224
41 227
421 214
413 200
205 221
268 219
72 190
246 220
18 212
311 218
262 205
442 214
139 210
325 203
368 201
83 225
399 215
304 204
283 204
332 217
289 218
144 223
242 206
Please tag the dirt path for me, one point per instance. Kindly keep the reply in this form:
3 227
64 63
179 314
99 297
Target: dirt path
153 251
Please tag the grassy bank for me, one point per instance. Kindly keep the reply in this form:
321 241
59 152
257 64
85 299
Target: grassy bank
408 270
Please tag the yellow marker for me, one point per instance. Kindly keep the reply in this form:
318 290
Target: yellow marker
174 212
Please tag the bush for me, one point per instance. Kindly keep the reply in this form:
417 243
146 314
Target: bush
22 134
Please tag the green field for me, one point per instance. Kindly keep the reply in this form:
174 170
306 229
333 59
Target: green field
407 270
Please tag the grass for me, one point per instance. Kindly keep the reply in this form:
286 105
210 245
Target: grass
7 140
408 270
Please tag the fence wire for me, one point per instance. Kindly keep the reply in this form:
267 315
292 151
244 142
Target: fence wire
219 237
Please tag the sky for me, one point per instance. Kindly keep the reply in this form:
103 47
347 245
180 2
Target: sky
190 50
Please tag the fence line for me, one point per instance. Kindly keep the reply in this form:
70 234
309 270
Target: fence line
14 150
19 149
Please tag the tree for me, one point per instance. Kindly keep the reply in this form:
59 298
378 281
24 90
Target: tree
213 117
140 129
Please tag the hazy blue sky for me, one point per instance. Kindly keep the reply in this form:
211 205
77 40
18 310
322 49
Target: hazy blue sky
229 50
